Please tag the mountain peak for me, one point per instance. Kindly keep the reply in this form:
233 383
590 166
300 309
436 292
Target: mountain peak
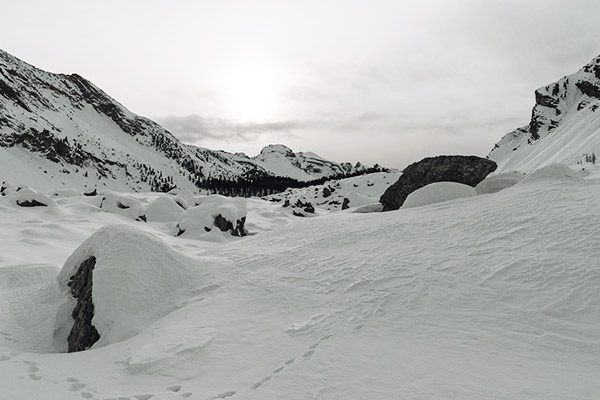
563 127
277 148
61 130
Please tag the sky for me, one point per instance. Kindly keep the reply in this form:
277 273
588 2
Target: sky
376 81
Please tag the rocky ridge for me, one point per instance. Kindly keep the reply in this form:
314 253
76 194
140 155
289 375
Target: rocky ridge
61 130
563 127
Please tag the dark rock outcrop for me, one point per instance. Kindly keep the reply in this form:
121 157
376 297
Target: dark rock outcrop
83 334
307 207
346 204
30 203
468 170
227 226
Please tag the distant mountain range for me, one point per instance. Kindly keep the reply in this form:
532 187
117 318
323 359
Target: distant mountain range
62 131
564 126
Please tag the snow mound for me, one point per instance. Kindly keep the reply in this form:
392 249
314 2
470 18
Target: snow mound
438 192
496 183
16 276
67 193
137 279
29 198
165 209
122 205
199 221
553 172
357 199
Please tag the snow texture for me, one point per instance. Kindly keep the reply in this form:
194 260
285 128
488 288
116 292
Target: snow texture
438 192
496 183
493 297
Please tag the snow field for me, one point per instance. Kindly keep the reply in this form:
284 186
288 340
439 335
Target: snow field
490 297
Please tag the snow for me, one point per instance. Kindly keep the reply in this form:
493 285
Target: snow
359 190
198 222
121 204
491 297
496 183
438 192
550 173
568 130
137 280
165 209
29 196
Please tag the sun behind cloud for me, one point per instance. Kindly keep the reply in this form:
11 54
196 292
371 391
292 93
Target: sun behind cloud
251 91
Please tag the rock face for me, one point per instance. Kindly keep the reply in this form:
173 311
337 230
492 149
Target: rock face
83 335
563 127
469 170
227 226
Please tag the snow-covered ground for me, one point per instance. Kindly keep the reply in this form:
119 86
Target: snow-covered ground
359 190
494 296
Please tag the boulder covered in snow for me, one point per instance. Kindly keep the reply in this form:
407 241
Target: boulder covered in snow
29 198
496 183
118 283
122 205
468 170
438 192
552 172
215 211
165 209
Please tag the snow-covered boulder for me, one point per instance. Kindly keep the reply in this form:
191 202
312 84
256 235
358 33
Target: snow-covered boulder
353 199
30 198
122 205
438 192
496 183
165 209
553 172
133 278
225 213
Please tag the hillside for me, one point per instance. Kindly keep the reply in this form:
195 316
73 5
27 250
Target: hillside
564 126
62 131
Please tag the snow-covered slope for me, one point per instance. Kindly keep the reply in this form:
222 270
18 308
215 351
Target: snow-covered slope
564 127
62 131
487 297
359 190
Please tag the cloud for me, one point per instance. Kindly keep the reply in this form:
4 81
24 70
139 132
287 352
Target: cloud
195 128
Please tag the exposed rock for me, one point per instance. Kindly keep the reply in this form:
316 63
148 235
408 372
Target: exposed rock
307 207
297 214
83 335
31 203
346 204
589 89
327 192
227 226
92 193
469 170
545 100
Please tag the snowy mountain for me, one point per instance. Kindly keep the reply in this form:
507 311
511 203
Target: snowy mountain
339 194
564 126
62 131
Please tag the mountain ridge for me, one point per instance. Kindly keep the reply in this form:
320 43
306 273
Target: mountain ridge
563 128
79 136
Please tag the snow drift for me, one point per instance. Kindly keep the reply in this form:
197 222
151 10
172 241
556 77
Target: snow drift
224 213
438 192
137 280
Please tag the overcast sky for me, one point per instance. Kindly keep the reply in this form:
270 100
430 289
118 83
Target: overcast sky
373 81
